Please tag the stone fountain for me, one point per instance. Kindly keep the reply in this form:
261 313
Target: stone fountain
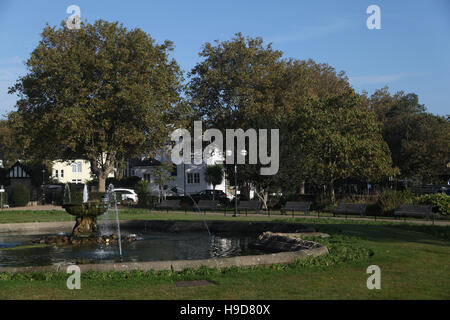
86 217
85 214
86 229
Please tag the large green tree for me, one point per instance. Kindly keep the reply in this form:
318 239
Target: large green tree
344 141
326 132
97 92
233 87
419 141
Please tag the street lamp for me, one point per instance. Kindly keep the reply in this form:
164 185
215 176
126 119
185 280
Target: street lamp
448 167
229 153
43 186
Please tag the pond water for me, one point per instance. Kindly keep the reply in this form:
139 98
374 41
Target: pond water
150 246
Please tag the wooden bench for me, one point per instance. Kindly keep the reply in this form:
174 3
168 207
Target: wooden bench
351 208
207 205
249 205
168 204
414 211
296 206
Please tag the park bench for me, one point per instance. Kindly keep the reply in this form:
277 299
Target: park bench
350 208
414 211
249 206
296 206
168 204
207 205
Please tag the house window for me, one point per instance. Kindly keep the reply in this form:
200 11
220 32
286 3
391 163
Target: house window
193 177
76 167
62 173
56 173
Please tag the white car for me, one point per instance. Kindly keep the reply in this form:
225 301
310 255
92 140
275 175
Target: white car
124 195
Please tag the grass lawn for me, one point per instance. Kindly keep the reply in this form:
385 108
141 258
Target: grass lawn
414 262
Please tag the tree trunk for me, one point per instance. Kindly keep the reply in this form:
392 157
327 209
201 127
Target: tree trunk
102 170
331 191
214 191
266 198
101 182
302 187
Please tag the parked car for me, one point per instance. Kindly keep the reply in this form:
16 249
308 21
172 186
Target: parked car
208 195
123 195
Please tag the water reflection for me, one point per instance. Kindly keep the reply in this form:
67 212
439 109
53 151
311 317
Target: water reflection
152 246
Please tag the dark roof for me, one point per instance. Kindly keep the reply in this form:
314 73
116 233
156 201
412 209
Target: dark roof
23 173
147 162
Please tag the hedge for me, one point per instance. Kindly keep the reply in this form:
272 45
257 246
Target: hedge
20 195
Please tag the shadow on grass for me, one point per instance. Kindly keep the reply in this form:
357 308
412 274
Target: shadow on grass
385 232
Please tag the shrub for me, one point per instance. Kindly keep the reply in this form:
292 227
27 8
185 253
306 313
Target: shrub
439 201
322 203
76 194
145 198
20 195
275 202
96 196
389 200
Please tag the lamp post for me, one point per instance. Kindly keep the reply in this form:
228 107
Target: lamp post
448 167
43 186
243 153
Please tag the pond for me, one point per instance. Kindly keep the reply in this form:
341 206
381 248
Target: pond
150 246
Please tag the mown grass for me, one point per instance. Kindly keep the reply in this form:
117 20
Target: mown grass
20 216
414 262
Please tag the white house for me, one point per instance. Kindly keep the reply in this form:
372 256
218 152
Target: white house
184 179
74 171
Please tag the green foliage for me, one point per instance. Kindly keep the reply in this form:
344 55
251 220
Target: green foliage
95 196
145 198
418 141
321 203
342 249
76 194
326 132
389 200
20 195
439 201
214 174
101 91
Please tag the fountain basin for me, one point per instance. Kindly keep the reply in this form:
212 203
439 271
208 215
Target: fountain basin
90 209
86 217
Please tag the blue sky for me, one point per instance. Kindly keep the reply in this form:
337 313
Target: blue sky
411 52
